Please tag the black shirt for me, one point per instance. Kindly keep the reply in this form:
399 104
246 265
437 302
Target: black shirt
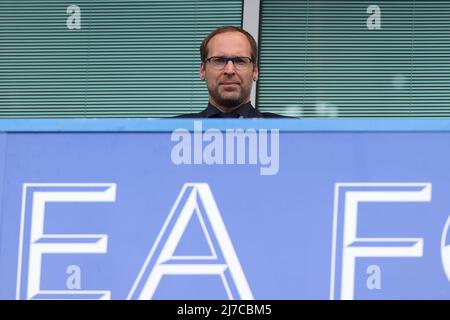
244 111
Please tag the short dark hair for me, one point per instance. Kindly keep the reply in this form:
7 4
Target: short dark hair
251 40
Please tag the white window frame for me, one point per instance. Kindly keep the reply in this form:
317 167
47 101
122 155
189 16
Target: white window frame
250 23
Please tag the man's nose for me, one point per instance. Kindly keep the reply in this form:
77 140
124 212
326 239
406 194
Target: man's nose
229 67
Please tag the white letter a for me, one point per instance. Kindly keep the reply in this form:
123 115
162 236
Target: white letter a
374 20
193 199
73 21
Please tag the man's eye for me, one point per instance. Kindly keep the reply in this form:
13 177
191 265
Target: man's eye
219 60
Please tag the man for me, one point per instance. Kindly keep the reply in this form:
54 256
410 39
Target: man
229 67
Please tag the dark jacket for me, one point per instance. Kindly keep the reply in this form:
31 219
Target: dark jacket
244 111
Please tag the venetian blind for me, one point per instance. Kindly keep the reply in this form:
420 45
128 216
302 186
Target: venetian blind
103 58
355 58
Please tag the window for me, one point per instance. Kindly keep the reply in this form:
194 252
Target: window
355 58
105 58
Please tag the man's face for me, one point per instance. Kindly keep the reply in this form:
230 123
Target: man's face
228 87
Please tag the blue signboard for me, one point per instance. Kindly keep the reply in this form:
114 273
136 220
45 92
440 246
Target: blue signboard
252 209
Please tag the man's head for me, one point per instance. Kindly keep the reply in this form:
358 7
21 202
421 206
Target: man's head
229 81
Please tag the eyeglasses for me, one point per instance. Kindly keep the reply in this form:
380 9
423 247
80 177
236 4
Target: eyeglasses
240 63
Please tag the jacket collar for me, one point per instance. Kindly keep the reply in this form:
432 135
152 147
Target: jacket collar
244 111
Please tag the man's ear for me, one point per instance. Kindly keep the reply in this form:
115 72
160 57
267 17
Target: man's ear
255 73
202 71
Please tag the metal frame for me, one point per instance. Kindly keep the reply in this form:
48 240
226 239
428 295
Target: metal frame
169 125
250 23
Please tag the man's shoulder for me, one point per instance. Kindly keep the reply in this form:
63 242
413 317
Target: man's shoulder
253 114
274 115
265 115
192 115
